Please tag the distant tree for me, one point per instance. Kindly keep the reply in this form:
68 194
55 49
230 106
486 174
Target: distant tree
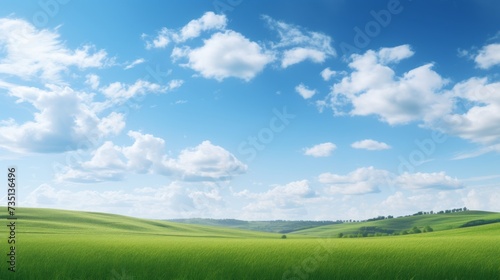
416 230
404 232
283 236
465 209
428 229
340 235
432 212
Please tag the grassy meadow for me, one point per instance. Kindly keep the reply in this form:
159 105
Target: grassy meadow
55 244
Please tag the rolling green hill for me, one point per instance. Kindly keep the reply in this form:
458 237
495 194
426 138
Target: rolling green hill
43 221
438 222
70 245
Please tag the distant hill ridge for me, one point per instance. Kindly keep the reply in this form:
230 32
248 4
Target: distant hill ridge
442 220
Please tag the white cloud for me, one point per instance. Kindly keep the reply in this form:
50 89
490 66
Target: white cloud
369 144
488 56
396 54
161 40
327 74
480 121
374 89
304 91
30 52
135 63
280 202
360 181
93 81
320 150
438 180
205 162
209 21
118 92
298 44
175 200
225 55
175 84
65 119
297 55
370 180
146 154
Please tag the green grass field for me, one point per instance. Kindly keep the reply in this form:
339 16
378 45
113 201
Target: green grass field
54 244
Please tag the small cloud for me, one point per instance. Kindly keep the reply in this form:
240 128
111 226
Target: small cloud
174 84
93 81
181 102
297 55
320 150
135 63
488 56
327 74
296 44
462 53
369 144
209 21
160 41
304 91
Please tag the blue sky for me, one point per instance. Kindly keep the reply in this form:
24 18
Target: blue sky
242 109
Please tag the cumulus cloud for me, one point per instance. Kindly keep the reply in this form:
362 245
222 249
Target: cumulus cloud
296 44
226 54
373 88
205 162
369 144
65 119
479 122
367 180
305 92
30 52
320 150
488 56
360 181
280 201
175 200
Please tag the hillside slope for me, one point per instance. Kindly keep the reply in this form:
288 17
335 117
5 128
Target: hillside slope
438 222
42 221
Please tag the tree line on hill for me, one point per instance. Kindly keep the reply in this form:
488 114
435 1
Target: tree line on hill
448 211
375 231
